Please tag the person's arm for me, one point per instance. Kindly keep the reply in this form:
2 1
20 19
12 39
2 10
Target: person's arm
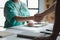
46 12
49 10
24 18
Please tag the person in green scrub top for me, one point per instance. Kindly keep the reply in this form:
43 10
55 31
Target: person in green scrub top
16 13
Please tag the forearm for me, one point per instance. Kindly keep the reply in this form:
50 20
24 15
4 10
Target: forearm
55 32
24 18
49 10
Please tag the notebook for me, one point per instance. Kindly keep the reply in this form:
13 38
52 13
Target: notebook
29 35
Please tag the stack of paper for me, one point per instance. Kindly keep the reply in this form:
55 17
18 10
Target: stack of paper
32 29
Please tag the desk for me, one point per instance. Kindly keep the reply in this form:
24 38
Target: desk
14 37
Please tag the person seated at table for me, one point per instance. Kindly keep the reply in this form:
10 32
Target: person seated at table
56 28
16 13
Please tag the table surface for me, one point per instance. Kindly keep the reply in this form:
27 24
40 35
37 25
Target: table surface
26 32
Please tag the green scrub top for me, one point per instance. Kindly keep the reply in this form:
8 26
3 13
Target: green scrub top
13 9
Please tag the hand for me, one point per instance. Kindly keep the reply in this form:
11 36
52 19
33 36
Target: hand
38 17
30 24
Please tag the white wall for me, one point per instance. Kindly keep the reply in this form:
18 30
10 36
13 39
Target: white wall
41 9
2 19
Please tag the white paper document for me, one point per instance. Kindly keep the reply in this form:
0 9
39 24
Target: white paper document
2 29
5 34
33 29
